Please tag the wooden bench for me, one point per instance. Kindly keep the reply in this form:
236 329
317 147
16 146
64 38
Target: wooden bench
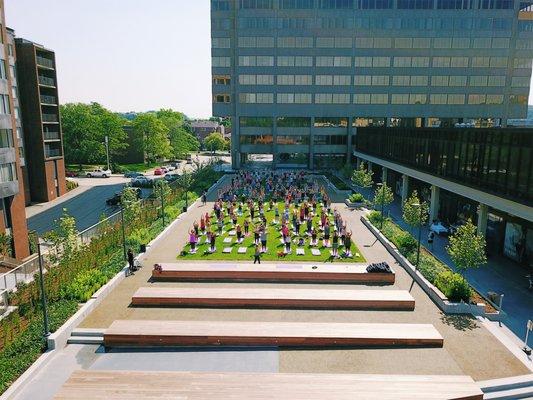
274 298
129 385
145 333
336 273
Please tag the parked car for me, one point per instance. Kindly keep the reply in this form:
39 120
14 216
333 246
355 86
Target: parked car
117 197
170 167
71 174
141 181
171 177
131 174
439 228
99 173
158 171
164 169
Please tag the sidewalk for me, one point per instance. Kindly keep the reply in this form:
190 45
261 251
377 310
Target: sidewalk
500 275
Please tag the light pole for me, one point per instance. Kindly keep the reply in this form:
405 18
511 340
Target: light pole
419 232
163 201
381 187
123 230
44 303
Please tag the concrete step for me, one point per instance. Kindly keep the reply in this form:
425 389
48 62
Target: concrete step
87 332
520 393
86 340
514 382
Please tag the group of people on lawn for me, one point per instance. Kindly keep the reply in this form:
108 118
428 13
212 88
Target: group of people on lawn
251 190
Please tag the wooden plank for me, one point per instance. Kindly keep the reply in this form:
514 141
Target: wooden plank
134 385
350 273
274 298
145 333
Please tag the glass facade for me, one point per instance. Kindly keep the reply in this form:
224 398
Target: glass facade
498 161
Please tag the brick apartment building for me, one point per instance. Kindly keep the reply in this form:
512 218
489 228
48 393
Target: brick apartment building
31 154
203 129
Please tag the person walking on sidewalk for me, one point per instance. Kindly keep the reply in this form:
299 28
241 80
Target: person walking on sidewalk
257 254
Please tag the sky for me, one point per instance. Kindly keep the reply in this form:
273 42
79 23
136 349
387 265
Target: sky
128 55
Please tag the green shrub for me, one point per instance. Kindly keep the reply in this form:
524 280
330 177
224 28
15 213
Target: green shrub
71 185
85 284
405 243
356 198
454 286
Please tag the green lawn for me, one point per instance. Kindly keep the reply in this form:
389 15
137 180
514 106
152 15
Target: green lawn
273 244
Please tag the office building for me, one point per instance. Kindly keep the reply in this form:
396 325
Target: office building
37 84
299 77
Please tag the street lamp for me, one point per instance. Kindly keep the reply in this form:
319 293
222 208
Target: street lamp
123 230
41 285
107 152
380 186
163 202
419 231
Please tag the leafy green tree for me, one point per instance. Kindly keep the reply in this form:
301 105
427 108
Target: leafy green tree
415 211
362 177
130 204
85 127
215 142
182 140
153 135
63 238
382 198
185 181
466 248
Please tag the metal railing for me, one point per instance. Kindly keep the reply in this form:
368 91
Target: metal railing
45 62
51 135
44 80
48 99
52 153
50 118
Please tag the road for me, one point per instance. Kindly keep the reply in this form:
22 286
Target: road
87 203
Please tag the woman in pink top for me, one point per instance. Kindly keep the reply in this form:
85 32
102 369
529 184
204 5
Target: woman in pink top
192 241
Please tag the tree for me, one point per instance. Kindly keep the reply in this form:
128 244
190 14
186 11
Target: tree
383 197
415 212
182 140
466 248
185 181
64 238
84 129
362 177
215 142
153 135
130 204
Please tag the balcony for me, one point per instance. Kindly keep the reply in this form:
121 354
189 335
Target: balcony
48 100
50 118
51 135
45 81
45 62
51 153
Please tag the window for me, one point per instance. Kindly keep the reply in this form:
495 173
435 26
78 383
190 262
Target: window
520 81
256 122
361 98
222 98
518 99
421 43
295 61
256 61
256 42
442 43
415 4
403 43
325 122
285 98
295 80
219 5
222 80
500 43
456 99
438 98
341 80
458 80
363 61
402 62
459 62
381 61
6 138
343 42
439 80
294 122
302 98
265 98
523 63
221 43
478 80
362 80
342 61
481 43
285 80
480 62
476 99
460 43
330 139
332 98
400 99
497 80
335 4
419 80
295 42
3 72
325 42
498 62
441 62
255 4
495 99
296 4
379 98
260 98
324 61
401 80
380 80
420 62
364 43
375 4
8 172
415 98
292 139
222 62
383 43
5 107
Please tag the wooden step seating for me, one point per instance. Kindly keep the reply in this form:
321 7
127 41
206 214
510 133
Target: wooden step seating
336 273
146 333
128 385
274 298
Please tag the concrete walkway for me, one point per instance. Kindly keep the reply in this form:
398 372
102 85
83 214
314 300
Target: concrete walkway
500 275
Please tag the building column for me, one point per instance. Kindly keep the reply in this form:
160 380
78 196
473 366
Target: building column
434 203
482 219
349 150
405 188
235 144
387 122
274 142
357 162
384 173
